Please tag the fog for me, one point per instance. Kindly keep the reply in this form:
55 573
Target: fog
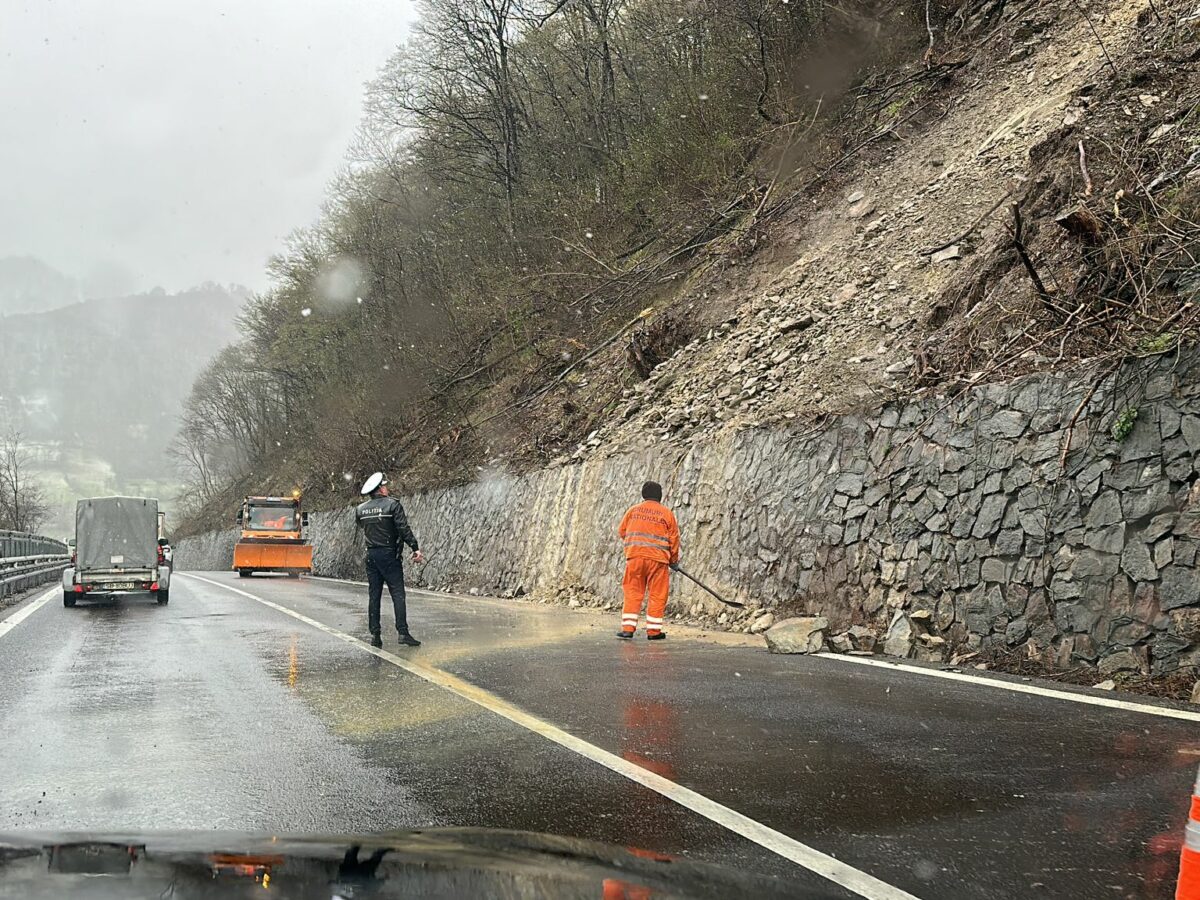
156 142
153 155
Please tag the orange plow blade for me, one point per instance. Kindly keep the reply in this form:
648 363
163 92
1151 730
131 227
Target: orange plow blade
273 557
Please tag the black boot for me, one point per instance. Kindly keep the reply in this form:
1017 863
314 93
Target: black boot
376 641
409 641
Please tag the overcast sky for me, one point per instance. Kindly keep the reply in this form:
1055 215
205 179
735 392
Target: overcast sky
179 139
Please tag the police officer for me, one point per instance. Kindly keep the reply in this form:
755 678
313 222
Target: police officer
385 526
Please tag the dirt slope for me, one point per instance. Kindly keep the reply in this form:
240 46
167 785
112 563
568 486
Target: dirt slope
832 316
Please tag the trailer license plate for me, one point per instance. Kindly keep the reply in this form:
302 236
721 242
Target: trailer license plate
123 586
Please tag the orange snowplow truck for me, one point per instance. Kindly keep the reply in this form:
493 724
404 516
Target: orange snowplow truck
272 537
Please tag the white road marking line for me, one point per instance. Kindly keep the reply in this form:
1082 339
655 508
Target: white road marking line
440 595
828 867
1021 688
346 581
407 587
978 680
26 611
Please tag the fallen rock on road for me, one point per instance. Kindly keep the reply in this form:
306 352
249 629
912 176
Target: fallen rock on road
804 634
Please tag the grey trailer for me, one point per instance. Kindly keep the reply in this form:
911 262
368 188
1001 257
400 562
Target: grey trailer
116 550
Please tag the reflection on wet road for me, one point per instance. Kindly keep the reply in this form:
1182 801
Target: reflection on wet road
219 712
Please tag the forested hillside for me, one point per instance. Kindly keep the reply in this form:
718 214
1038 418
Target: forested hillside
95 387
548 200
528 175
29 285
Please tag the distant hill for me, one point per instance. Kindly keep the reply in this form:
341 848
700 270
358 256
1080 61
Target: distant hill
108 376
28 285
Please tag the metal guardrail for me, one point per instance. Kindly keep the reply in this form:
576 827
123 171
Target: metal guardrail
16 543
20 573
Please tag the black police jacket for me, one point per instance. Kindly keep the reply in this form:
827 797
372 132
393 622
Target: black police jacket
384 523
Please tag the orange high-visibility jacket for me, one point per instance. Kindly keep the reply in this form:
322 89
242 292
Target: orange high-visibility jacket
649 531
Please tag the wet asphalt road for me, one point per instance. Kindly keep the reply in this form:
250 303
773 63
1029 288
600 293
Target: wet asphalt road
217 712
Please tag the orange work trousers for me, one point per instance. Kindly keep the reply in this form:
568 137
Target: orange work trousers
642 577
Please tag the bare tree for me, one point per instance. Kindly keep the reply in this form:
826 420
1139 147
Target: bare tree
234 417
461 89
23 504
195 459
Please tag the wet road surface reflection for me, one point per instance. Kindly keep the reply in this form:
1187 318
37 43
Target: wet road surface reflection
941 788
218 711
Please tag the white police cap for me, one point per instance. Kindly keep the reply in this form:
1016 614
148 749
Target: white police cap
373 483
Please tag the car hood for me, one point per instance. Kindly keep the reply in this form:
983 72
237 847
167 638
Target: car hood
428 864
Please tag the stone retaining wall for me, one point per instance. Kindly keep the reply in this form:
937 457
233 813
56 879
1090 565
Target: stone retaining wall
963 511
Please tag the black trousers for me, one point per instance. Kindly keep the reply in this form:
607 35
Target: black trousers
383 565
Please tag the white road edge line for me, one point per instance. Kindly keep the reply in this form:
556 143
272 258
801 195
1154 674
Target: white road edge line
348 581
26 611
826 866
1109 702
447 595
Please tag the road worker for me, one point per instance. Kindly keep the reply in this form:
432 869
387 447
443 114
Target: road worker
386 529
651 538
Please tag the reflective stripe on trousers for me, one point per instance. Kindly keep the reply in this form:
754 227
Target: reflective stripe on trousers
644 577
